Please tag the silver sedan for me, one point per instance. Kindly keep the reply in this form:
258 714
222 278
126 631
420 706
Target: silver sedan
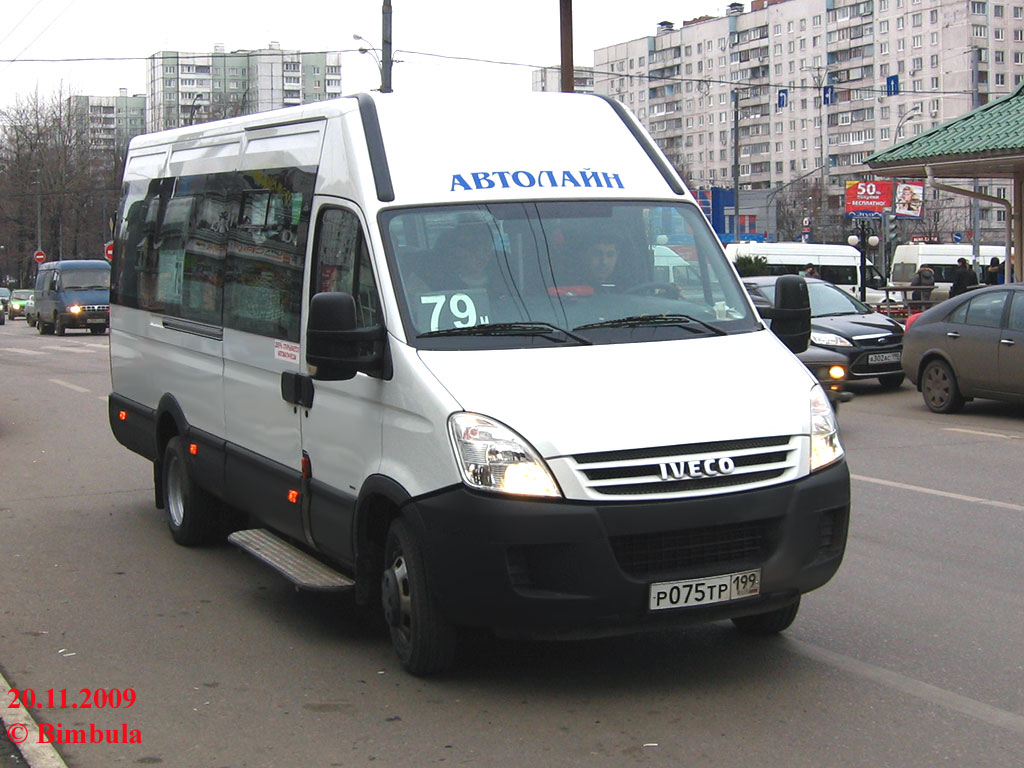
969 346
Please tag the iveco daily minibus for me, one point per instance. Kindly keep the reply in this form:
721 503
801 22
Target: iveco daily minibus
422 351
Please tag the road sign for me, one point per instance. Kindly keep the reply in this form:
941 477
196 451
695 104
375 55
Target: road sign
957 237
39 256
108 250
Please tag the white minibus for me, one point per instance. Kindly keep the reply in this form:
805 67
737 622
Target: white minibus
942 258
425 353
838 264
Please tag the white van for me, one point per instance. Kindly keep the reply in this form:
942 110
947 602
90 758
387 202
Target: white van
366 332
942 258
838 264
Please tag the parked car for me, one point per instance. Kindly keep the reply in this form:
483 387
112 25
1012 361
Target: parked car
5 296
16 304
30 309
969 346
871 342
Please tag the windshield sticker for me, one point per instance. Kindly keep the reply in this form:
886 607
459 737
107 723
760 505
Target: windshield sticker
452 310
526 179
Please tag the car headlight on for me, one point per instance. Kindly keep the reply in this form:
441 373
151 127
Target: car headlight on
825 446
829 340
492 457
74 309
837 372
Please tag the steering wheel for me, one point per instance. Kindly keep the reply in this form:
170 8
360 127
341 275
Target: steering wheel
656 288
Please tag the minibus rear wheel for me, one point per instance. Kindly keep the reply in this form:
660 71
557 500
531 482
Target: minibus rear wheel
192 513
423 639
769 623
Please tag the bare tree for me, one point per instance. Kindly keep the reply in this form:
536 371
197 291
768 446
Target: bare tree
57 191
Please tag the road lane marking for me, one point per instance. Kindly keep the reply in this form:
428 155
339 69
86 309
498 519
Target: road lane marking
979 432
23 351
944 494
69 348
75 387
986 713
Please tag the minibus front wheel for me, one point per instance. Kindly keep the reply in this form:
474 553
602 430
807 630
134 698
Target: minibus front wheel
191 511
423 639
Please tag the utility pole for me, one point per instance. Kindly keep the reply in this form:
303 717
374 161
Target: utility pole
568 67
736 163
975 212
385 46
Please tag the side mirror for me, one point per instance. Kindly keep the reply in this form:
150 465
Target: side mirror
336 347
791 313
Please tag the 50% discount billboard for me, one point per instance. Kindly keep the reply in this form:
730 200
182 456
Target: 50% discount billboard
868 199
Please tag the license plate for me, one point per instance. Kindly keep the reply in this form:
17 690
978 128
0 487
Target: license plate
884 357
715 589
96 320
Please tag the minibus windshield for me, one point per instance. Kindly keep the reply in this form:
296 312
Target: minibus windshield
85 279
598 272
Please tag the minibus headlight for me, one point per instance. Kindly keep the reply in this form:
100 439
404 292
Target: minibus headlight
74 309
492 457
829 340
825 445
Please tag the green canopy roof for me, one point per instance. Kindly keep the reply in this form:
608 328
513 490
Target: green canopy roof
986 142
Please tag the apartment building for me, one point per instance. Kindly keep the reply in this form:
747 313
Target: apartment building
186 88
550 79
109 121
813 87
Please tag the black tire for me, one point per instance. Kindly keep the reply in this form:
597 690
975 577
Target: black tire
891 380
423 639
769 623
939 388
193 514
58 326
40 325
30 321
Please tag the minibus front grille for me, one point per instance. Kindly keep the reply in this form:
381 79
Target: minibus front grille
696 469
642 556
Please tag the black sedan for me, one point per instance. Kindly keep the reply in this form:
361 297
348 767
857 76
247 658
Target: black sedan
969 346
871 342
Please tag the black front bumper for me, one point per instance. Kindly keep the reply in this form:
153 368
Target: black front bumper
541 568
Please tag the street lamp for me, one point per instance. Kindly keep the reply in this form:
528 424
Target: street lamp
914 112
383 66
862 242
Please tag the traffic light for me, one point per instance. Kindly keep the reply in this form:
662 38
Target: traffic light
892 228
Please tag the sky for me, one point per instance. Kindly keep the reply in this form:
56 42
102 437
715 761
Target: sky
519 32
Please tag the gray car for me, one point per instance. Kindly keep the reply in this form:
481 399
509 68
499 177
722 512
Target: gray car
968 346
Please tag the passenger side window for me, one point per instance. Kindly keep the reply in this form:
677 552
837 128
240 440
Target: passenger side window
343 263
1016 322
986 310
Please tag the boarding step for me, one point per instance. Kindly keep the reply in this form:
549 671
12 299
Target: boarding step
302 569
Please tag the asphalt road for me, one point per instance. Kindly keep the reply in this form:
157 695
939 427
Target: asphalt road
912 656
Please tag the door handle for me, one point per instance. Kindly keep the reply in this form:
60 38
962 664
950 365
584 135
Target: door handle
297 389
1007 342
953 334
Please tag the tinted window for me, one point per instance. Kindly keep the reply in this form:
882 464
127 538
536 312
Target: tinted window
1016 321
343 263
986 310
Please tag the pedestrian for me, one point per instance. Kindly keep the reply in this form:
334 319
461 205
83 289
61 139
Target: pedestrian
963 278
993 271
809 271
924 278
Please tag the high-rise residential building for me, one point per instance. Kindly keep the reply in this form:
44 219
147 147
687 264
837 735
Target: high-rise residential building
109 121
186 88
550 79
813 87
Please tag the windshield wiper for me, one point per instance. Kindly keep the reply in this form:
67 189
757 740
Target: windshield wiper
506 329
641 321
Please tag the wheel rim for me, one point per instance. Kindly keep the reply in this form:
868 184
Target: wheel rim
175 498
398 596
936 386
